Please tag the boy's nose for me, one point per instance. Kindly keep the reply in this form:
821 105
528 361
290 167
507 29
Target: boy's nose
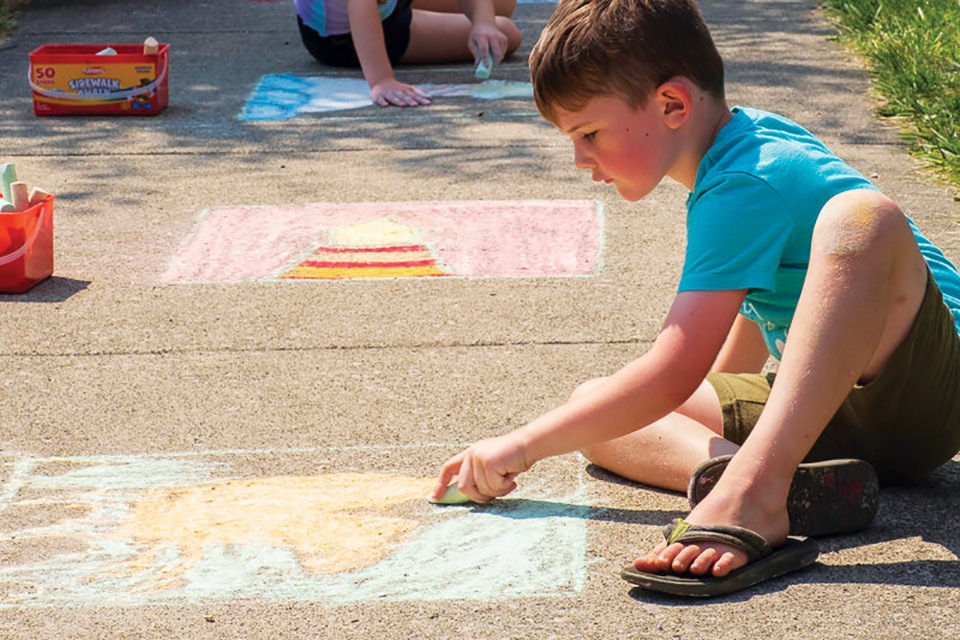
582 160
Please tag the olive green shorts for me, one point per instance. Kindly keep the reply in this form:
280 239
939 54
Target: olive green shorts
906 422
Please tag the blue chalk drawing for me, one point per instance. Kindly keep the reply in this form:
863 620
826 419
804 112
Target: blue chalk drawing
283 96
532 544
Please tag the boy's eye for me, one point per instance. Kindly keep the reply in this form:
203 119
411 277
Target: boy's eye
590 136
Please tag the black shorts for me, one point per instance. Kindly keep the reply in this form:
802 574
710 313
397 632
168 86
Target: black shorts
338 51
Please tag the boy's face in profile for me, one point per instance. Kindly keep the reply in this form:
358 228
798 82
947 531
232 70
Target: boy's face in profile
629 148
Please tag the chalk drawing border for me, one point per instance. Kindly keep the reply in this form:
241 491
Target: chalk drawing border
530 545
227 244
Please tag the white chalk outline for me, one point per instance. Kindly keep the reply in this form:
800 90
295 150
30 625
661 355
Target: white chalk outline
532 544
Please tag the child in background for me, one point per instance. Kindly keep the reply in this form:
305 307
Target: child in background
790 252
375 35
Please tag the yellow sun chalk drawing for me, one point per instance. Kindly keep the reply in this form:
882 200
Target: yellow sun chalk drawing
374 249
335 523
374 232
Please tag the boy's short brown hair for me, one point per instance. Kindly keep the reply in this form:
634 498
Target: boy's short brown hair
623 48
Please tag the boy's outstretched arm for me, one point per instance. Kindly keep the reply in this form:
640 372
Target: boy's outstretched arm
637 395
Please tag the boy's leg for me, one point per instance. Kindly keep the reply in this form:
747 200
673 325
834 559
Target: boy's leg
864 285
442 37
666 453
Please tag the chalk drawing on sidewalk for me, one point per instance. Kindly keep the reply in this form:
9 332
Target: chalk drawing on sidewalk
283 96
187 528
533 238
377 249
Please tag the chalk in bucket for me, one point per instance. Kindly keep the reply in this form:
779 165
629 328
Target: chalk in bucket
26 246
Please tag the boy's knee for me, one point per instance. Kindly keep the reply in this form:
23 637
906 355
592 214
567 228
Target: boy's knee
593 453
853 222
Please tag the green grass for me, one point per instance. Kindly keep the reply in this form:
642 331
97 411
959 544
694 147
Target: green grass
913 48
6 21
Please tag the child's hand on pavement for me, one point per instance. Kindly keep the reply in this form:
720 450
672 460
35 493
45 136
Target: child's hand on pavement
392 92
486 470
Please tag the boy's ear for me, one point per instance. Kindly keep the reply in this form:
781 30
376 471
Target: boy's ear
675 98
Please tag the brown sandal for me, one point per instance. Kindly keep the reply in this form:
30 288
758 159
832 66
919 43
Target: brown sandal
826 498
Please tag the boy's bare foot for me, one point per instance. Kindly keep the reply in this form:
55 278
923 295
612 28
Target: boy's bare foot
718 560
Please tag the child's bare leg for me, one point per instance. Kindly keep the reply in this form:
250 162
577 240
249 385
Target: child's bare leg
666 453
442 37
865 283
500 7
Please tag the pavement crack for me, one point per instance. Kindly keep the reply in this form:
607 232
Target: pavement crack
322 348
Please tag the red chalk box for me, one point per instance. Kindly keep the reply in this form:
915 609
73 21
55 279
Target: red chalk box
26 247
71 79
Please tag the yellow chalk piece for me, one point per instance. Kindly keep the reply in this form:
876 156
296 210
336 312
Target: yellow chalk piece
452 495
37 195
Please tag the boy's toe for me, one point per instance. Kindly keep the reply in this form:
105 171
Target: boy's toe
684 560
704 562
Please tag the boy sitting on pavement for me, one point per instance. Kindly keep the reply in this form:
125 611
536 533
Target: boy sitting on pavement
781 236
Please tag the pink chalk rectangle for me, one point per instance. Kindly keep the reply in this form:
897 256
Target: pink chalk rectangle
469 238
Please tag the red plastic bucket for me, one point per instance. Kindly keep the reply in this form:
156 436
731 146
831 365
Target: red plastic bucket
26 247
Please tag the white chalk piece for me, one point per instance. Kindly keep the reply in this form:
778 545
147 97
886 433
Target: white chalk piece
109 51
484 67
150 46
37 195
6 207
452 495
19 195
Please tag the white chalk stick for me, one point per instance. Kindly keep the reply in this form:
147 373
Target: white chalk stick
37 195
150 46
6 207
452 495
19 196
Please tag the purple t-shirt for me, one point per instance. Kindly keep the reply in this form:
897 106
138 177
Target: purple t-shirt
329 17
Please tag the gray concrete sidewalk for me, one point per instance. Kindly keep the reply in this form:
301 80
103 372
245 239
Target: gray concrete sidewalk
126 398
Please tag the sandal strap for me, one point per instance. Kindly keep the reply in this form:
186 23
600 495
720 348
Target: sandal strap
745 540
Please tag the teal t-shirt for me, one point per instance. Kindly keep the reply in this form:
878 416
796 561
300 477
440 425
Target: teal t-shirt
759 190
